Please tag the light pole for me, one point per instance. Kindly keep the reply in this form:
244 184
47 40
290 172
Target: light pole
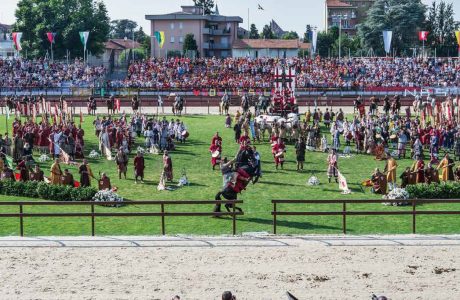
126 53
340 18
132 50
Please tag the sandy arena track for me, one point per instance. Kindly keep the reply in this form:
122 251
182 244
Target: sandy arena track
262 267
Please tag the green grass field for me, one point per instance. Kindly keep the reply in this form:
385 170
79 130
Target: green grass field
194 157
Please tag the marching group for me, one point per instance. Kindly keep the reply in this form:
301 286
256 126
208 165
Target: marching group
427 132
64 141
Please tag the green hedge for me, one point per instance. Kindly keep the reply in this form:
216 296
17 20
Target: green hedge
34 189
449 190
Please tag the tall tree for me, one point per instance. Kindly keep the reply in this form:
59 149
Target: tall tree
325 42
207 4
67 18
190 43
121 28
404 17
441 25
253 32
307 36
291 35
267 33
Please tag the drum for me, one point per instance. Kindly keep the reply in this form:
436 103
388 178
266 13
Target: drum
215 154
279 154
185 134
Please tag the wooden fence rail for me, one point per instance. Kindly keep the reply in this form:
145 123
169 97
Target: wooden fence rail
344 212
163 213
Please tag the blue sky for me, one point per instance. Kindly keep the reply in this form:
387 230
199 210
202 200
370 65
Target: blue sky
290 14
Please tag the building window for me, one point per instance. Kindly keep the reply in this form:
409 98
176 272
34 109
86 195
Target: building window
181 39
181 25
172 40
172 26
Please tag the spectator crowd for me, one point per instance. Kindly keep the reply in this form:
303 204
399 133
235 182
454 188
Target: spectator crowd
239 73
232 73
44 73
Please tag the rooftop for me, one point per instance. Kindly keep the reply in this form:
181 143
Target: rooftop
121 44
194 13
337 3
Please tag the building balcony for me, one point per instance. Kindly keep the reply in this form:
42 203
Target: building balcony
216 46
210 31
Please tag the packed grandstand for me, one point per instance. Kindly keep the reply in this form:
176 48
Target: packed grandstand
231 73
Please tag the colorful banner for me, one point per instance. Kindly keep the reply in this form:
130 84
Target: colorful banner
84 35
387 36
314 39
17 40
51 36
160 36
423 35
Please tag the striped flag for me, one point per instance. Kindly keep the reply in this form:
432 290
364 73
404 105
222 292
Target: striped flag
17 40
9 161
51 36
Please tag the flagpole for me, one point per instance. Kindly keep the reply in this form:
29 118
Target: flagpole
423 47
249 29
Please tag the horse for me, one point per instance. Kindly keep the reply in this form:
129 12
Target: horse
110 105
224 104
266 123
245 170
10 103
135 104
178 105
245 103
263 104
92 106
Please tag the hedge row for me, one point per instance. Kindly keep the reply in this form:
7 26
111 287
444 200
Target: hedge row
450 190
42 190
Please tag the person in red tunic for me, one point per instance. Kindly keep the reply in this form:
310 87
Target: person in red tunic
216 150
167 166
279 149
245 138
139 166
24 173
216 140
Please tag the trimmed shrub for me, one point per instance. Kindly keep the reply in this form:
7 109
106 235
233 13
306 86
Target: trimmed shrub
450 190
33 189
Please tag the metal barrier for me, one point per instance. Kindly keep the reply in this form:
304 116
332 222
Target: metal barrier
344 212
21 215
85 92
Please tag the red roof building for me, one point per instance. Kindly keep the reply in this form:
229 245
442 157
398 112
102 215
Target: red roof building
268 48
350 12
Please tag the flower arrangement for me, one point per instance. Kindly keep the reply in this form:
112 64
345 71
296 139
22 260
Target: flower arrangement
154 149
140 149
94 154
397 194
107 196
43 158
313 181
